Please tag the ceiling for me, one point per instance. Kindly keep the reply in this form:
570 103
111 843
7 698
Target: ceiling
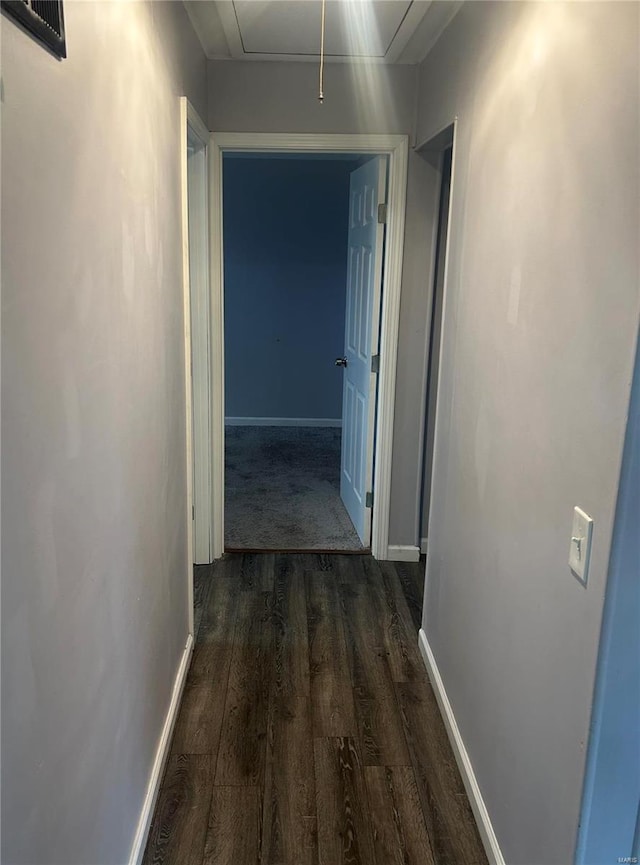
375 31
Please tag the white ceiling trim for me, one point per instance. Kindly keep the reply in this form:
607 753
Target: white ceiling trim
309 142
229 21
411 20
428 30
205 19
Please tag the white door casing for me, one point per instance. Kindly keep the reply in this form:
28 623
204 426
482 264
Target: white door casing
194 144
200 350
367 190
396 147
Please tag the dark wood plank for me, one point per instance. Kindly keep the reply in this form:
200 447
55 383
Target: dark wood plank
452 830
378 714
344 828
319 560
366 651
197 729
399 633
332 703
291 639
202 576
229 566
289 806
241 755
325 562
256 572
213 649
399 831
410 576
179 825
381 732
234 827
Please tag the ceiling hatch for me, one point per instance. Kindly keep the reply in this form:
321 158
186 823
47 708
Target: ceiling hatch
353 29
375 31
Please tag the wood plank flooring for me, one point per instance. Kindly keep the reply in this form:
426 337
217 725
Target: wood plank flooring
308 732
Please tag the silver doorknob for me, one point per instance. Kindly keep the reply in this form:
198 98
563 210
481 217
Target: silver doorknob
341 361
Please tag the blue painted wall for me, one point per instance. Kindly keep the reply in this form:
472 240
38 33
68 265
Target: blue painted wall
610 822
285 248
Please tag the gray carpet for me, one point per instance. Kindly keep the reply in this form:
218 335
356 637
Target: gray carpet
282 490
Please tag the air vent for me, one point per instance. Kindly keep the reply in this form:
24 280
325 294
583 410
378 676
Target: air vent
43 19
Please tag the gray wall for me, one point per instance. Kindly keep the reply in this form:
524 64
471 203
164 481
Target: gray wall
94 585
285 259
282 97
540 326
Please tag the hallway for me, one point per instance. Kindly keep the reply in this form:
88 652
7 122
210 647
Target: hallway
308 732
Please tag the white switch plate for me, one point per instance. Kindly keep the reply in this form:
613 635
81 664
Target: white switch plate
580 550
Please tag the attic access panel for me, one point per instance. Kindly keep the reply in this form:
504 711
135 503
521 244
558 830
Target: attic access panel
290 27
44 19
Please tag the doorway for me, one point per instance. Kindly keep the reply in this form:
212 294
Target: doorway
395 149
286 230
441 159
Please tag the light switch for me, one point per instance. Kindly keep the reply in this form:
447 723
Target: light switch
580 550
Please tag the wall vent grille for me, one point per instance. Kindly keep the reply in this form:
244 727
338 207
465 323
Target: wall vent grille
44 19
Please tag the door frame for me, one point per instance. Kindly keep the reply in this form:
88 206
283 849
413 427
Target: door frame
200 298
190 125
396 148
433 150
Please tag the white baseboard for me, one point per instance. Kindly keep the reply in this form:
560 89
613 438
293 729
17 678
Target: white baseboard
424 543
402 553
283 421
162 753
489 840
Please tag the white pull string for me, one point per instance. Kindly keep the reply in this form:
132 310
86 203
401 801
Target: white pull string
321 93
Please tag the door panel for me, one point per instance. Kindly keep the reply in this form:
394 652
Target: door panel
364 278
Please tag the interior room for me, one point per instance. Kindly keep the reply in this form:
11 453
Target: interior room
465 689
285 275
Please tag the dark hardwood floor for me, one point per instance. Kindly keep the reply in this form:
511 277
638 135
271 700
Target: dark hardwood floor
308 733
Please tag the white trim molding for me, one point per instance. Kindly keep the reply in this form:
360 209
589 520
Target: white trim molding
197 331
396 147
196 123
480 812
403 553
424 546
162 753
284 421
185 109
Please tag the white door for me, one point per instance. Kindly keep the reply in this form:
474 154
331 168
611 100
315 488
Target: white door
362 330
